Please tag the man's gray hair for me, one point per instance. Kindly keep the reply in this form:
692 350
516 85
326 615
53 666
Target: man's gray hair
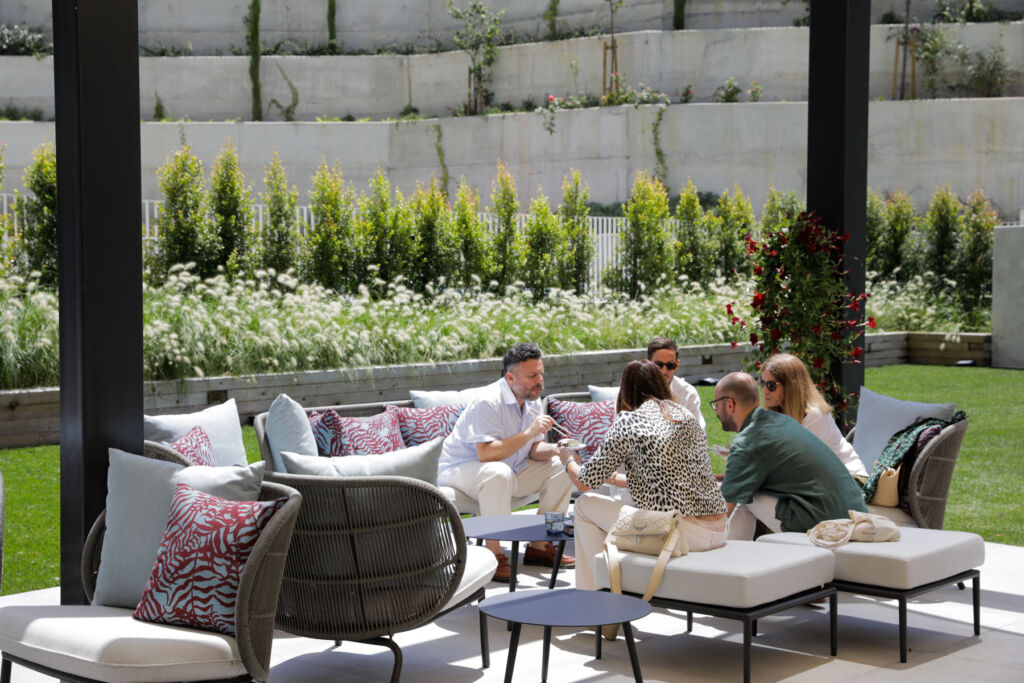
518 353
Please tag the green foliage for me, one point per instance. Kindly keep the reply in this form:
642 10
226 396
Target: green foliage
544 240
12 112
935 49
988 74
439 148
471 236
573 216
230 201
478 38
252 40
37 214
550 18
621 92
972 11
943 224
679 15
508 244
439 252
185 231
159 114
279 238
694 246
331 257
332 29
288 112
21 40
645 245
800 300
728 92
892 249
388 232
735 224
974 250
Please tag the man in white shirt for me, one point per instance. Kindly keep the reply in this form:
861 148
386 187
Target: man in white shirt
664 353
497 451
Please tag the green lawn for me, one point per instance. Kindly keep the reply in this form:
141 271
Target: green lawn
985 496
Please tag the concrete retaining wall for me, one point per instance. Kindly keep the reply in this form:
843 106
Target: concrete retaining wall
913 146
218 88
1007 295
31 417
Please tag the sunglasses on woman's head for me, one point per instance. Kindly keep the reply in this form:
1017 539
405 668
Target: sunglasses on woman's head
770 385
668 366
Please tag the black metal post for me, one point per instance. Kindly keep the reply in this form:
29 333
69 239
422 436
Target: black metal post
96 78
837 136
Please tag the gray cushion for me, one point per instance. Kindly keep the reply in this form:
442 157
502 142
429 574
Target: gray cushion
480 566
432 399
418 462
739 574
288 429
920 556
879 417
139 494
220 423
106 644
602 393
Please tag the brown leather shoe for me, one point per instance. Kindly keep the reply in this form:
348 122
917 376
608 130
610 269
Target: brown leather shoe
504 570
546 557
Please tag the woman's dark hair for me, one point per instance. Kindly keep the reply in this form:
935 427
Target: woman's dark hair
641 381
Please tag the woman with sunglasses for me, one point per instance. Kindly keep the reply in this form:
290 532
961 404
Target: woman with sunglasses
667 468
787 388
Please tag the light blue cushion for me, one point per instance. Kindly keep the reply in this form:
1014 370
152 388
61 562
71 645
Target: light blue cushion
288 430
220 423
418 462
139 494
602 393
879 417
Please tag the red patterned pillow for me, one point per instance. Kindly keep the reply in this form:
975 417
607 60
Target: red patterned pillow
587 421
367 435
205 546
420 425
327 433
195 445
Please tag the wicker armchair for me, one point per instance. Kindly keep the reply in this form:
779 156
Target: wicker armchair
160 451
374 556
930 477
254 619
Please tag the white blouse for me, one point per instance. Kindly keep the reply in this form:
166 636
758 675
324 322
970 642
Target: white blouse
824 427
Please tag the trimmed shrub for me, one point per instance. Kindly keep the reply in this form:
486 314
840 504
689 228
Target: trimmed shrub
439 252
230 201
544 239
387 231
471 236
943 224
186 234
737 224
695 248
37 214
974 250
573 215
894 253
508 244
645 245
279 237
331 253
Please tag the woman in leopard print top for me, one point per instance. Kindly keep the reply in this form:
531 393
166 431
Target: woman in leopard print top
667 468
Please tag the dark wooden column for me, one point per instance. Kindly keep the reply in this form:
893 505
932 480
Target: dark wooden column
96 79
837 135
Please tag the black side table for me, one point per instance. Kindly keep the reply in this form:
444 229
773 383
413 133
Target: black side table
566 607
517 529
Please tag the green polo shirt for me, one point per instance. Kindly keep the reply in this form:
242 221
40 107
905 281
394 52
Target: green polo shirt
773 454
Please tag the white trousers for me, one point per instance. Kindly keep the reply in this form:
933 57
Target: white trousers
744 518
494 485
595 514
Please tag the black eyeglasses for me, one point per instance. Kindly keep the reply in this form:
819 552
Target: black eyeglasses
770 384
667 366
719 400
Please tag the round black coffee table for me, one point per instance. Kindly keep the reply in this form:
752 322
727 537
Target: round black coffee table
566 607
517 529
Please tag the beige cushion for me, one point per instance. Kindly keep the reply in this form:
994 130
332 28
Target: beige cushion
739 574
919 557
480 566
106 644
896 514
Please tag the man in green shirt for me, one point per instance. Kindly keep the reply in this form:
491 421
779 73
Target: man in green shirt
777 471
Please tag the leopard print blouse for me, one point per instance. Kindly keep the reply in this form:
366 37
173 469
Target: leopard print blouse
667 464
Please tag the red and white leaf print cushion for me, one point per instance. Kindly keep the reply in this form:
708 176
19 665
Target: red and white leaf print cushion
327 430
195 445
420 425
205 546
366 435
589 422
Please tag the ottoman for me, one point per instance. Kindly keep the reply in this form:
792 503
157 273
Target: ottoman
921 561
742 580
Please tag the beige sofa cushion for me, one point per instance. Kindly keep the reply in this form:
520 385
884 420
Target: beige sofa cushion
921 556
739 574
106 644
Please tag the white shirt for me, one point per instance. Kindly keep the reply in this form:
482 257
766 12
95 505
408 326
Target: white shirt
494 415
824 427
686 395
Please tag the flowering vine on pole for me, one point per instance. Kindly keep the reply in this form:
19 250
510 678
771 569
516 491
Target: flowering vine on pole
800 302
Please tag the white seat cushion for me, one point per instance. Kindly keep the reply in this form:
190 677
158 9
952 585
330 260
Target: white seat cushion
106 644
896 514
480 566
919 557
739 574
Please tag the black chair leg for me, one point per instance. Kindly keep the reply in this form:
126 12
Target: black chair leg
833 622
976 590
747 633
5 671
396 671
903 630
485 647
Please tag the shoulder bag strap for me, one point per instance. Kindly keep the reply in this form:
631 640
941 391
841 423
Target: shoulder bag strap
663 556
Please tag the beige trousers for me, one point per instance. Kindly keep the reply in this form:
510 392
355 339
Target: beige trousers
494 485
744 518
595 514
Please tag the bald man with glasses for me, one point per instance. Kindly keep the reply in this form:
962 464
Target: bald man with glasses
664 353
777 471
